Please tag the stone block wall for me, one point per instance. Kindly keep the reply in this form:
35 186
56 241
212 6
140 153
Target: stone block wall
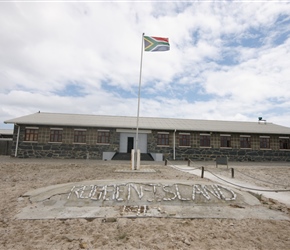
43 148
234 153
208 154
61 151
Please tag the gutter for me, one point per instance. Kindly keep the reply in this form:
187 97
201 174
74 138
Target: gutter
174 144
17 140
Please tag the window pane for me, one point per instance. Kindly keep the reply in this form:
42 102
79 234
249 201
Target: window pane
80 136
264 142
205 140
245 142
184 140
56 135
284 143
225 141
31 135
103 137
163 139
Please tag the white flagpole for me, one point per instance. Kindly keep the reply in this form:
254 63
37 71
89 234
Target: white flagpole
138 109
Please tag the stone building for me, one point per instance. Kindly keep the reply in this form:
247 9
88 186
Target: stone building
54 135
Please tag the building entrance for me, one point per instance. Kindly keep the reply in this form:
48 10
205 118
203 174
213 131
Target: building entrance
128 141
130 144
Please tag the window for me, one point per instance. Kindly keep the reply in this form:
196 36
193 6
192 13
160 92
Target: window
31 134
204 140
245 142
264 142
55 135
80 136
163 139
184 140
103 136
284 143
225 141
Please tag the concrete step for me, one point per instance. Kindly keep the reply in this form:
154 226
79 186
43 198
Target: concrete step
127 157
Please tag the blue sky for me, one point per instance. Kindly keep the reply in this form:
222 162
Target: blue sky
228 60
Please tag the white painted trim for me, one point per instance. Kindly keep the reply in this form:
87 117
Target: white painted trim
17 141
120 130
174 133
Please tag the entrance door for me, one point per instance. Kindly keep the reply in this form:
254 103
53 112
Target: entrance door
130 144
128 141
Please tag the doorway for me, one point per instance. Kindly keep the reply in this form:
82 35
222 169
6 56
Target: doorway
130 144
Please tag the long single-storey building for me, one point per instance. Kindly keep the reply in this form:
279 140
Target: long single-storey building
78 136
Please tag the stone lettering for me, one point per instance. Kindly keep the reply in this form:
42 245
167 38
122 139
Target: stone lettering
144 192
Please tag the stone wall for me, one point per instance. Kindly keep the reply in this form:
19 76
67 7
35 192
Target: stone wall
92 150
65 150
207 154
62 151
234 153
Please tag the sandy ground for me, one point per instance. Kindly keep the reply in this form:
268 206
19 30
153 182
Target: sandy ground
19 176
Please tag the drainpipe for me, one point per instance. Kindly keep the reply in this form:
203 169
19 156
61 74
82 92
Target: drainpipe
174 144
17 140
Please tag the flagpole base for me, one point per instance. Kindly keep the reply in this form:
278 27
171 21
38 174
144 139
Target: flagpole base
135 159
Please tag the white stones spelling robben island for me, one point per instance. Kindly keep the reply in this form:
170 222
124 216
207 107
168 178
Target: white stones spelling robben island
150 192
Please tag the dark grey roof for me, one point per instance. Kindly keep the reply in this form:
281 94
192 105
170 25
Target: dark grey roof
103 121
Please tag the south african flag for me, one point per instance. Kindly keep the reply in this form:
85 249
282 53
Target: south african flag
153 43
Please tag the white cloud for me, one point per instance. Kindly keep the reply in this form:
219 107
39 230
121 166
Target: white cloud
227 61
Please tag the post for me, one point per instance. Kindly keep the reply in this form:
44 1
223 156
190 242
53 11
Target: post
133 159
202 171
139 94
188 163
233 173
138 159
17 141
165 162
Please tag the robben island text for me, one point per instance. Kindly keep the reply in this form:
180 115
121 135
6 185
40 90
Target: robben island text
154 192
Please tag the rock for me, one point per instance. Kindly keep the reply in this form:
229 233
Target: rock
112 219
4 220
69 238
186 241
83 245
20 199
83 221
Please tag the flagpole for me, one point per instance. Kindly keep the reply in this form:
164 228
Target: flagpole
138 109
